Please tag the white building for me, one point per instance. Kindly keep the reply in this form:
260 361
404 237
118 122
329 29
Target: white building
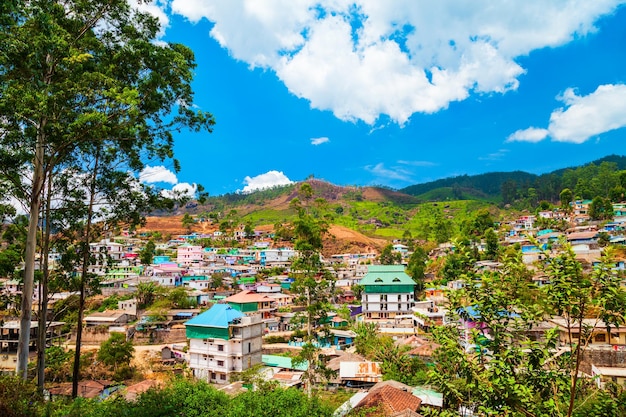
387 292
222 341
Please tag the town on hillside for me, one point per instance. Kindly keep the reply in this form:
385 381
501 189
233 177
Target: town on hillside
405 330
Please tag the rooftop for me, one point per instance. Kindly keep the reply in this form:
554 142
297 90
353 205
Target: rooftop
220 315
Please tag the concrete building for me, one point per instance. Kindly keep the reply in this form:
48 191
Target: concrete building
189 254
222 341
388 292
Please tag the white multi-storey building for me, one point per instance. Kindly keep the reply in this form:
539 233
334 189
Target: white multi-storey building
387 292
222 341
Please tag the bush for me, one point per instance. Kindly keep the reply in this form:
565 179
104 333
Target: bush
274 339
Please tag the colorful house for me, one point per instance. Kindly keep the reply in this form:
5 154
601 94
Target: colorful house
388 292
223 341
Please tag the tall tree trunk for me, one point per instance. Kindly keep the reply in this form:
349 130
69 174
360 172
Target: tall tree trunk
43 293
83 277
23 345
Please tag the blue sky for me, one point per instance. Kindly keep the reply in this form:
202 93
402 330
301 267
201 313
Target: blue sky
396 92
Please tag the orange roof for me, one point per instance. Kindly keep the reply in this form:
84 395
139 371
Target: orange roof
393 400
247 296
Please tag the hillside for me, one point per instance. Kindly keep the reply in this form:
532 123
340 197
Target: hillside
340 239
363 219
505 186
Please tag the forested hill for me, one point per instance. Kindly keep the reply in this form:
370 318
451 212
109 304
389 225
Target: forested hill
508 186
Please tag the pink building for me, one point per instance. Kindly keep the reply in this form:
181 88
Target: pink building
189 254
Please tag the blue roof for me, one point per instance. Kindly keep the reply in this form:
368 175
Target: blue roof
220 315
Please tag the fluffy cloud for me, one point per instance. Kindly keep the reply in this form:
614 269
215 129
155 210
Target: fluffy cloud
587 116
367 58
532 134
268 180
160 174
182 189
582 117
151 175
319 141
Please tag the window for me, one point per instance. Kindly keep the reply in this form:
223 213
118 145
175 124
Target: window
220 363
220 348
223 377
600 338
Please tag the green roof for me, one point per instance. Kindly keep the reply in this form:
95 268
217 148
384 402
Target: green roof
283 362
386 275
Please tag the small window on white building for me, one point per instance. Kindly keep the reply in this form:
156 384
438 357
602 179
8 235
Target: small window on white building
220 348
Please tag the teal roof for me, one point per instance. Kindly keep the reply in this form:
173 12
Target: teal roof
283 362
386 275
220 315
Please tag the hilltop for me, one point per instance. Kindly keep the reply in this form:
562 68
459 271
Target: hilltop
367 218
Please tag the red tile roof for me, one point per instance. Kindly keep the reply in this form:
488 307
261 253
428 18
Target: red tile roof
247 296
389 401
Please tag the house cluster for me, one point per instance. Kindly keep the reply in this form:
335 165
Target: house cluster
241 308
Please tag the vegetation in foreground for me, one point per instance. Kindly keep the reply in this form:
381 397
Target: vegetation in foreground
180 398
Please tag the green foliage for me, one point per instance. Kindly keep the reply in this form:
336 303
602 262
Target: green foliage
18 398
388 256
116 351
57 363
187 222
279 402
499 367
179 298
416 267
147 253
601 209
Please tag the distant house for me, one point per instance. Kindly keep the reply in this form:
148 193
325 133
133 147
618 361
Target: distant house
390 399
268 288
387 292
189 254
129 306
87 389
222 341
250 302
107 318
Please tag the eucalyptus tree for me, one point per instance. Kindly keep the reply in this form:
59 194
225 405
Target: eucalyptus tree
313 284
80 71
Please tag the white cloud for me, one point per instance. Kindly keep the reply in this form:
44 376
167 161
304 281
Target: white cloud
182 189
268 180
495 156
532 134
582 117
586 116
319 141
418 163
151 175
367 58
394 173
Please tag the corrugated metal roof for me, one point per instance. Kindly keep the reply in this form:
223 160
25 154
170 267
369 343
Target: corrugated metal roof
386 275
220 315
